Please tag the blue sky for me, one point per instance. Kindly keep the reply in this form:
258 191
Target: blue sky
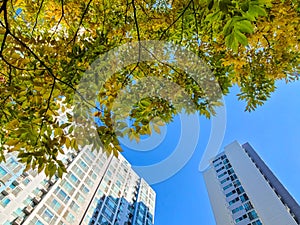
273 130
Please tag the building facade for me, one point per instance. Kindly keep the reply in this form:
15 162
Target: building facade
244 191
96 190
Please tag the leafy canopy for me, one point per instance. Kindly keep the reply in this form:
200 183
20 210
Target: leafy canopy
46 46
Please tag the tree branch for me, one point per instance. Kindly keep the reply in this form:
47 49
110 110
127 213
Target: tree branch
80 23
180 15
60 19
137 28
37 16
196 21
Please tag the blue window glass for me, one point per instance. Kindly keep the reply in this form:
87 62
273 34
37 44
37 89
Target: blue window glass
237 209
244 198
222 174
2 171
226 179
227 186
48 215
241 218
234 201
38 223
240 190
252 215
26 181
248 206
257 222
12 186
230 193
73 179
5 202
218 170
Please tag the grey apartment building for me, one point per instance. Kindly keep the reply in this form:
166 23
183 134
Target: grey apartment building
97 190
244 191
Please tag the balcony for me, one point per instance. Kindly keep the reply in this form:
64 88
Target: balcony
28 210
18 221
15 182
44 190
6 191
25 174
36 200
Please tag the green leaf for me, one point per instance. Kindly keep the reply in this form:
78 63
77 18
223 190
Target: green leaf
259 10
244 26
240 37
227 28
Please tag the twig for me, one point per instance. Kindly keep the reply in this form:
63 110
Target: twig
37 16
180 15
80 23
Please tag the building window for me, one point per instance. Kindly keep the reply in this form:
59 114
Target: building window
248 206
226 179
12 186
78 171
257 222
70 218
111 204
73 179
241 218
26 181
5 202
83 165
218 170
38 223
231 171
240 190
233 177
230 193
108 214
237 209
102 220
63 196
48 215
89 182
216 159
11 163
252 215
18 212
74 206
93 175
79 198
244 198
222 174
84 189
234 201
55 205
2 172
227 186
218 164
68 187
226 161
228 166
236 183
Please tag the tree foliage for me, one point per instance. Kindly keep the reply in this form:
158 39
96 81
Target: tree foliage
47 45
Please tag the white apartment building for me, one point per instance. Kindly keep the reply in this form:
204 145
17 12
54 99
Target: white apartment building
244 191
96 190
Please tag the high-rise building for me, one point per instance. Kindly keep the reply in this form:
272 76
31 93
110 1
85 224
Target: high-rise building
96 190
244 191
